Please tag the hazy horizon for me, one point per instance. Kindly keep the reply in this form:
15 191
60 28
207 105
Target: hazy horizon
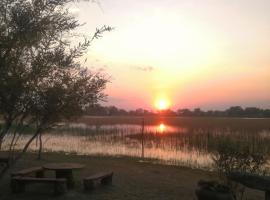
208 54
190 108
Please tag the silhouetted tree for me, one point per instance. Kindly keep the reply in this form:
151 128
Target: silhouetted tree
266 113
253 112
235 111
198 112
41 78
184 112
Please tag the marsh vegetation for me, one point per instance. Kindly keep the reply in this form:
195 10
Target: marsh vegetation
193 142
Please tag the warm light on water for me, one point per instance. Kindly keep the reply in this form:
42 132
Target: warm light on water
169 144
162 128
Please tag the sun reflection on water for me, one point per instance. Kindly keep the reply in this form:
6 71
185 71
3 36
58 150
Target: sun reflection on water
161 128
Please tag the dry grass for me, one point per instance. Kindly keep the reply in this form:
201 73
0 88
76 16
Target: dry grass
189 122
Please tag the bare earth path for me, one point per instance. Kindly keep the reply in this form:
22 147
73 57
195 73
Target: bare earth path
132 180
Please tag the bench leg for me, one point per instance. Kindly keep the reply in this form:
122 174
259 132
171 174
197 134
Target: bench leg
17 186
107 180
267 195
67 174
88 184
60 188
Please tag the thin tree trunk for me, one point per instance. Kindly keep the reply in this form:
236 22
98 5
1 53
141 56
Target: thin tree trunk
18 129
7 168
3 132
27 145
142 138
40 146
11 147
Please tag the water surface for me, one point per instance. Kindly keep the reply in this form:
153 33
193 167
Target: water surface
190 144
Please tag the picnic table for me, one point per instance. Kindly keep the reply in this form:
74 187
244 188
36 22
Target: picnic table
64 170
4 160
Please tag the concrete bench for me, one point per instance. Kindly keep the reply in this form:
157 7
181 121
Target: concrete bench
4 160
102 177
207 190
38 171
18 184
253 181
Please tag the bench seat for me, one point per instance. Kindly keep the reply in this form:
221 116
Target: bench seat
38 171
18 183
103 177
253 181
4 160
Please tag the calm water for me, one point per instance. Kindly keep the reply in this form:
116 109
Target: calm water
186 145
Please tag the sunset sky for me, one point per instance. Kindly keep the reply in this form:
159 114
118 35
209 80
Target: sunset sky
191 53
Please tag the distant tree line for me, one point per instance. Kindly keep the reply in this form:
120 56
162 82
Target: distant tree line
234 111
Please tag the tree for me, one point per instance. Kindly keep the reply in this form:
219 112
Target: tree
198 112
184 112
42 80
253 112
235 111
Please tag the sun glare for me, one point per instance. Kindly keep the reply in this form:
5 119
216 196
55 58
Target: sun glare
162 104
161 128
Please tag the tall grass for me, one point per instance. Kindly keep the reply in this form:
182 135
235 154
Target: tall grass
185 141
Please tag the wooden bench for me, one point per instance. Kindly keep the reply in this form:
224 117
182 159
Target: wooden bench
18 183
38 171
4 160
253 181
207 190
102 177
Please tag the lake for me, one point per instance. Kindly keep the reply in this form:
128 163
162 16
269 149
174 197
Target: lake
188 142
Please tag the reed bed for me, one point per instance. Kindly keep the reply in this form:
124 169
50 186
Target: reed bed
185 141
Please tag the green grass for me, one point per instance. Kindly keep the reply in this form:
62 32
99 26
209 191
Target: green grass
132 180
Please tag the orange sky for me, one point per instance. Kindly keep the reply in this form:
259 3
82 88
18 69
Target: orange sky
209 54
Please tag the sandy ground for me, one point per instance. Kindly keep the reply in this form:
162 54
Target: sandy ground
132 180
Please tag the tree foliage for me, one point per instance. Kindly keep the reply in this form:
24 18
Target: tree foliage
231 157
42 80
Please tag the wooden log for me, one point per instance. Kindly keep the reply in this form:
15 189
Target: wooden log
252 181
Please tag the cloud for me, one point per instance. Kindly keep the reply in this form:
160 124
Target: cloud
143 68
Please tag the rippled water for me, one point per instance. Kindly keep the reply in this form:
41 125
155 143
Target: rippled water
169 144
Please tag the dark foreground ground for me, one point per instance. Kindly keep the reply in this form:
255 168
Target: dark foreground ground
132 180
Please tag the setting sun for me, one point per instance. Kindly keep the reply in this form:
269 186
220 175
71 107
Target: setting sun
162 104
163 94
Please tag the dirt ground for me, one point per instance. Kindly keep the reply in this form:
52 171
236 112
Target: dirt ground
132 180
